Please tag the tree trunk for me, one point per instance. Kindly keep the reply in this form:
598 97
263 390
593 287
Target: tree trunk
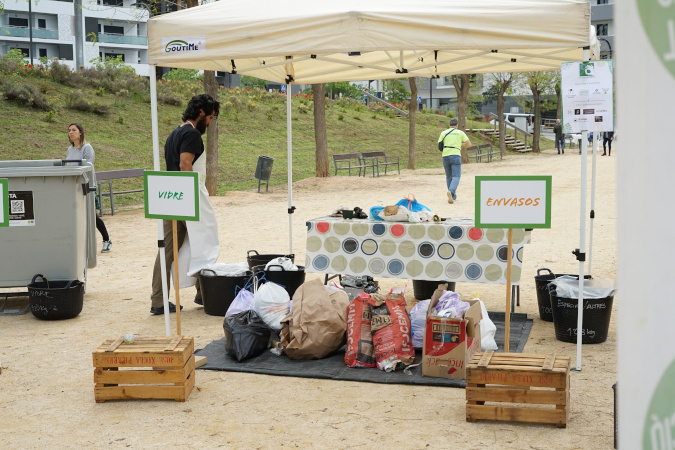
536 94
320 139
461 83
558 98
211 88
412 110
462 88
500 112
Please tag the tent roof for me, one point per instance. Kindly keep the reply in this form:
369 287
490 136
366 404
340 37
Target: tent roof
351 40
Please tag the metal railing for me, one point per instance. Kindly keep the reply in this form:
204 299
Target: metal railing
388 105
509 124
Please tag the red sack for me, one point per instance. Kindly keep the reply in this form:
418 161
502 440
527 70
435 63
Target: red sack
390 324
360 351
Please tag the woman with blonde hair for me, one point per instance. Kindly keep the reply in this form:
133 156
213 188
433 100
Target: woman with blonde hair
80 150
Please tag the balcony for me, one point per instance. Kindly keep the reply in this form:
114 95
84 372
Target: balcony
121 39
38 33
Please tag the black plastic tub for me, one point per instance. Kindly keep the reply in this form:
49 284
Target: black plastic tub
543 297
256 259
288 279
55 300
595 325
423 289
218 291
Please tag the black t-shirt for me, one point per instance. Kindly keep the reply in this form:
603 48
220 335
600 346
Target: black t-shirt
183 139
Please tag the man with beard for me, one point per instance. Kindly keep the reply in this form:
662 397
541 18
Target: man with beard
183 147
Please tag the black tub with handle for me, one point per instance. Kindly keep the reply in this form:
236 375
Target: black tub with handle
595 324
55 300
218 291
543 297
256 259
288 279
423 289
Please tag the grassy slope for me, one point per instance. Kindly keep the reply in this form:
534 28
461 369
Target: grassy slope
250 124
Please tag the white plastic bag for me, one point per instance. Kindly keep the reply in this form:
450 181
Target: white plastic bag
282 261
402 215
272 304
418 320
228 270
487 330
244 301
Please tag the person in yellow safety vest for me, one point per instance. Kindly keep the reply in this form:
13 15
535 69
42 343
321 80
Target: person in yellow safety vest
450 142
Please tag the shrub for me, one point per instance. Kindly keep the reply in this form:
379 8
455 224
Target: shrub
51 116
182 74
390 113
28 96
120 119
169 99
357 117
100 92
341 116
450 114
62 74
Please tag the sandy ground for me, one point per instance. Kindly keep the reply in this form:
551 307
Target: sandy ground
47 389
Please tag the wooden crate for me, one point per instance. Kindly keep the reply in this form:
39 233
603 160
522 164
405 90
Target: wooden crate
520 387
148 368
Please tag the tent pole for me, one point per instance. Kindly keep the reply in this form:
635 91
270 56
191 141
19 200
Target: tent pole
581 252
596 144
160 225
289 145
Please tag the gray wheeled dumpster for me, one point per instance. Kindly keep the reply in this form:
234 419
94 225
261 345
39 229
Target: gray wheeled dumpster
52 226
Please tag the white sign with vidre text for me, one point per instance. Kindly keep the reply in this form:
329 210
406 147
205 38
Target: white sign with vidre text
587 96
171 195
513 202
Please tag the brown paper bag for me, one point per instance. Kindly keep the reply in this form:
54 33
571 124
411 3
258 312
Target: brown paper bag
317 323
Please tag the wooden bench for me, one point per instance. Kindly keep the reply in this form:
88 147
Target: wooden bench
385 161
349 161
107 178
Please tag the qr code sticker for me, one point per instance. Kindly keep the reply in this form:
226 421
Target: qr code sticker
17 207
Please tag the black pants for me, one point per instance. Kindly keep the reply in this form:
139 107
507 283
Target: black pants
100 226
604 145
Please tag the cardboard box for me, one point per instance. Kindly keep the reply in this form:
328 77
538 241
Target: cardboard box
449 344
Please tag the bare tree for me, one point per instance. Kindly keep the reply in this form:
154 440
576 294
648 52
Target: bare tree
461 83
558 94
412 110
539 83
321 154
502 82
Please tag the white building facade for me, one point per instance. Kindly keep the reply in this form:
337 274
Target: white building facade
110 27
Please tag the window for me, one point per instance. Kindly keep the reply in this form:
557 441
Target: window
112 55
109 29
24 51
601 29
18 22
42 52
42 24
602 2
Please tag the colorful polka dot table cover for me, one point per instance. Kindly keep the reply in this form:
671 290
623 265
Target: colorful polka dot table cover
452 250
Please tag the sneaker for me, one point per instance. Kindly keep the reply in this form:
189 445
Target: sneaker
450 199
158 311
106 246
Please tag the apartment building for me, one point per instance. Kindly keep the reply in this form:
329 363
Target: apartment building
110 28
602 18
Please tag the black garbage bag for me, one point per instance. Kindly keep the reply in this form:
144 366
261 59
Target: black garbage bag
246 335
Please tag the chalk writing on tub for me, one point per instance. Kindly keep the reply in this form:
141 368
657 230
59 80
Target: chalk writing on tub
44 294
584 332
568 305
168 195
43 310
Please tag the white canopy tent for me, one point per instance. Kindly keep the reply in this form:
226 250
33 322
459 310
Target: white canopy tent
307 42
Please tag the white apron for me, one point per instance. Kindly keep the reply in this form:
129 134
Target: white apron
201 246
